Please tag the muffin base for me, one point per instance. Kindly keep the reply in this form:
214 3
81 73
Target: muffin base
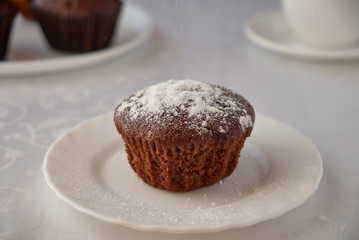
5 29
77 32
183 168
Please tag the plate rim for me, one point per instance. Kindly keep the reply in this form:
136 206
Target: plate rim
157 228
47 65
309 52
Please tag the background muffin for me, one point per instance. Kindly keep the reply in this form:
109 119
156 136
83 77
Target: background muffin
183 135
7 15
77 25
24 8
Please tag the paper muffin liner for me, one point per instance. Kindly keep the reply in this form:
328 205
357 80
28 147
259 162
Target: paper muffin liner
183 168
82 32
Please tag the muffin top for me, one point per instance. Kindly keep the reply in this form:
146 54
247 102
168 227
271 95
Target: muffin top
183 111
76 6
7 8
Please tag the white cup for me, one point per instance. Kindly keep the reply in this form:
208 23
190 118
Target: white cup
328 23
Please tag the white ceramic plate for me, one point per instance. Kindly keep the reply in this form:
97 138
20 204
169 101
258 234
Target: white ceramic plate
278 170
271 31
29 52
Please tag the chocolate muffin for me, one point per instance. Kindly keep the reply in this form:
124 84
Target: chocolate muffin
77 25
24 8
184 135
7 14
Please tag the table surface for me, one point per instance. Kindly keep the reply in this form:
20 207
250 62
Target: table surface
198 40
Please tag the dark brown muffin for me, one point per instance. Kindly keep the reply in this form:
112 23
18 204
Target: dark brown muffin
7 14
77 25
183 135
24 8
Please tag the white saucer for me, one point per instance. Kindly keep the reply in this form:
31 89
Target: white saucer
29 52
271 31
278 170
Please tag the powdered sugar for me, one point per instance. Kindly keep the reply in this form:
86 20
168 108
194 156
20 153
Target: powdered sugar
194 98
245 121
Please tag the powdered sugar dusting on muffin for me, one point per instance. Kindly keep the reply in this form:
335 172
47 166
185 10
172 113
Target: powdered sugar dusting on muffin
245 121
195 98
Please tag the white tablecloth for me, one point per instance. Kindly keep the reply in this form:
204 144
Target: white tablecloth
201 40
